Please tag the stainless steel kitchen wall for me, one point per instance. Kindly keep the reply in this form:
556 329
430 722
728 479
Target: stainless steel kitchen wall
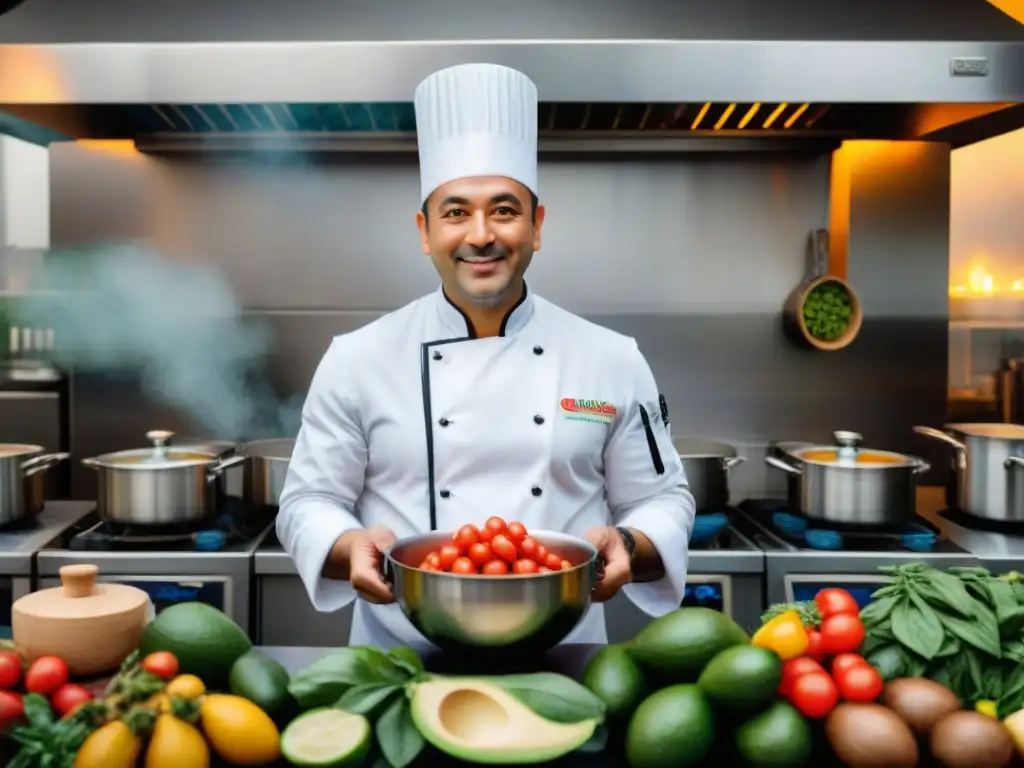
692 256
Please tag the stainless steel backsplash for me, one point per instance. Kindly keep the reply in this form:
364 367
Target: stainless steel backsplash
691 256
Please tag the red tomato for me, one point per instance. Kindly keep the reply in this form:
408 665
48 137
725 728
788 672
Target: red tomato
845 661
516 532
45 675
425 566
861 682
449 554
495 525
543 569
565 565
495 568
794 668
833 602
435 561
503 548
163 664
814 694
10 707
528 547
68 698
552 561
480 553
525 566
841 633
464 567
466 537
814 645
484 535
542 553
10 669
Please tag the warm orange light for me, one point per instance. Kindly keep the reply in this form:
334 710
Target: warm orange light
1012 8
725 116
120 147
795 116
774 115
700 116
749 116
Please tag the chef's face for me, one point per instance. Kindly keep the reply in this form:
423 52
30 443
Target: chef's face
481 234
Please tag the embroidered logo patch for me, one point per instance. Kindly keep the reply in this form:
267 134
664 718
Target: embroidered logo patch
594 411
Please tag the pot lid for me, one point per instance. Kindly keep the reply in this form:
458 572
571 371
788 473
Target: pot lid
160 456
995 430
847 453
271 448
697 448
15 450
80 597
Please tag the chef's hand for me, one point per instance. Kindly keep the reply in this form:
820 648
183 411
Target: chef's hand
362 551
617 568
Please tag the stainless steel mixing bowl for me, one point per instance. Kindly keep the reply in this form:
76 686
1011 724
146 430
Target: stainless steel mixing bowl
493 614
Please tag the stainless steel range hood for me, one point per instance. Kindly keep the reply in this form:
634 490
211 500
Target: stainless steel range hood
648 74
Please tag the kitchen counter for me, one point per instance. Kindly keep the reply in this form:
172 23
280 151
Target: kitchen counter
568 660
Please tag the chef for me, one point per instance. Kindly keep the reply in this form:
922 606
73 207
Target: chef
482 398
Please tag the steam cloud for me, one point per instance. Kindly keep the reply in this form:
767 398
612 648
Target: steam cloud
174 325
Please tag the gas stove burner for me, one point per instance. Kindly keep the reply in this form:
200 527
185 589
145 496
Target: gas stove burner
832 537
707 526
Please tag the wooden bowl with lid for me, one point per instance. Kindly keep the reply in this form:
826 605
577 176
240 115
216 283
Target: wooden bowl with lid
92 626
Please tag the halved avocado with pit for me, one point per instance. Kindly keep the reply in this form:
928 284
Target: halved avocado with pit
480 722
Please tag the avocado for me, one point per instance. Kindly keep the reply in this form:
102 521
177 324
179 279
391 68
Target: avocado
778 737
617 680
261 680
672 728
478 722
743 678
204 640
327 738
677 646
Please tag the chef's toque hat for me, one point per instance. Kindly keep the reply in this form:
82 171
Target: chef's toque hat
476 120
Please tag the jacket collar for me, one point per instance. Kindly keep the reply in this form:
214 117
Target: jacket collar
455 321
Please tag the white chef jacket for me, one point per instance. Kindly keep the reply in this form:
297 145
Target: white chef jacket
413 424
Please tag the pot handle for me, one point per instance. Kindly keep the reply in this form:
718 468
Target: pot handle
1012 462
771 461
218 468
938 434
91 463
42 463
733 461
387 571
921 466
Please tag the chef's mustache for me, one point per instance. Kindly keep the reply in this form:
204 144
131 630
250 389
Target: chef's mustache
491 251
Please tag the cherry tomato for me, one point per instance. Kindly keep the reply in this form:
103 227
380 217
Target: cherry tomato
495 568
542 554
861 682
495 525
449 554
543 569
845 661
814 645
45 675
463 566
10 707
814 694
435 561
484 535
525 566
565 565
841 633
516 532
424 566
528 547
480 553
68 698
10 669
163 664
466 537
794 668
552 561
834 601
503 548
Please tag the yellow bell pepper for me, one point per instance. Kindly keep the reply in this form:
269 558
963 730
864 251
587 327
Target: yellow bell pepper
785 634
986 707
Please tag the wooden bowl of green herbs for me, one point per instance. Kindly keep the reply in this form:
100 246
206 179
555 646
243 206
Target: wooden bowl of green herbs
823 313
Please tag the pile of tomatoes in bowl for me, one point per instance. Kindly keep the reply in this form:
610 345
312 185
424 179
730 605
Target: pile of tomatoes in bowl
495 549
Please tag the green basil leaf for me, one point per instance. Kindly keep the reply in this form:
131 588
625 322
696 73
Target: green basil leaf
915 666
407 660
364 699
891 590
399 741
891 660
915 626
595 743
878 611
946 592
951 646
37 710
1013 650
974 631
1018 591
555 697
324 681
970 572
1012 699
